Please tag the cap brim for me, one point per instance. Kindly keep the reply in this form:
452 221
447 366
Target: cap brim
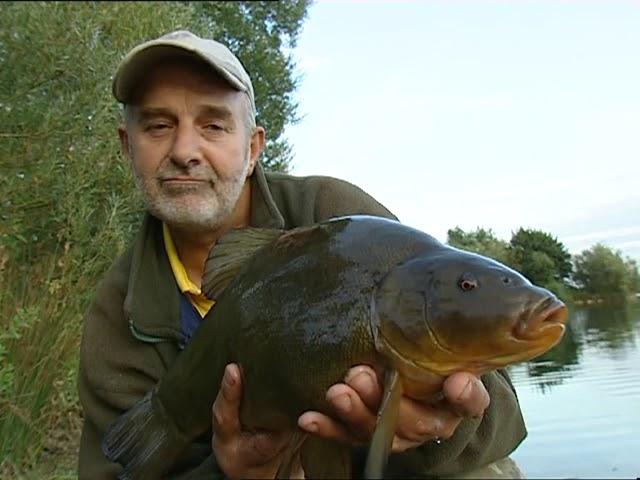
140 60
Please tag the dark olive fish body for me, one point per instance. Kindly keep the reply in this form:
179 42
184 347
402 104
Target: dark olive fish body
301 307
301 313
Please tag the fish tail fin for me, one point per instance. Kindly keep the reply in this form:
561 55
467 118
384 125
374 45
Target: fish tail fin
142 442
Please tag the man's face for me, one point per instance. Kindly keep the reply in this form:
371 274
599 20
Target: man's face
189 147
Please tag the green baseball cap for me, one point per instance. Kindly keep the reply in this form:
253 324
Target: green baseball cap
145 55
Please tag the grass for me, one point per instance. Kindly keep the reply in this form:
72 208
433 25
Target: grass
43 297
40 414
67 209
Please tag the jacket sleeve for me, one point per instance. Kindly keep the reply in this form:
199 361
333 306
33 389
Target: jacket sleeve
104 392
115 372
476 442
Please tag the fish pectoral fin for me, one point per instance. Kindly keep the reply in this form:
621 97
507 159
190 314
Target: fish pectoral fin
291 456
385 426
322 458
142 441
230 253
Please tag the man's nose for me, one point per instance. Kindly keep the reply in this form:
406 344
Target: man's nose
186 150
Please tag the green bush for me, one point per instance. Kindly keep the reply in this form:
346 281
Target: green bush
604 274
68 205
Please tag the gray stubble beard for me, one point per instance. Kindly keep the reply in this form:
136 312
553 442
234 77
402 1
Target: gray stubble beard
210 213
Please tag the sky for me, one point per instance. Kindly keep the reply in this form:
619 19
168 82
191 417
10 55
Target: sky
491 114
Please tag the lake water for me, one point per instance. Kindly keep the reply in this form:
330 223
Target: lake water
581 400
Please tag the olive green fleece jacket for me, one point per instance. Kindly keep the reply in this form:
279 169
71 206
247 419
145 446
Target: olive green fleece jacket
131 337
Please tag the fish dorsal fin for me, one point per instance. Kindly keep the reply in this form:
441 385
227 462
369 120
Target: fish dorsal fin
382 440
230 253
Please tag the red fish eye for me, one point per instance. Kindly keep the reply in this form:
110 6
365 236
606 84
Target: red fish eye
467 284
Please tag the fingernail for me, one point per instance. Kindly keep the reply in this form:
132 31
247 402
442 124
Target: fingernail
311 427
356 372
466 393
308 425
343 402
362 381
229 377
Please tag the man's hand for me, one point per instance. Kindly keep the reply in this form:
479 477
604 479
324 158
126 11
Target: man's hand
242 454
356 403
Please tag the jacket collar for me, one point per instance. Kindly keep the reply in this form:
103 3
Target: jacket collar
152 303
264 211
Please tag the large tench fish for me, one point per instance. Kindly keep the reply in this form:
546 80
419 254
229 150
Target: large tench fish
301 307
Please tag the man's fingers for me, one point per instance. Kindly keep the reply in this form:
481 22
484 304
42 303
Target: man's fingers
226 408
355 405
352 411
326 427
241 453
354 422
418 422
364 381
466 394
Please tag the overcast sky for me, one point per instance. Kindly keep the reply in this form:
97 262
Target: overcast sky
494 114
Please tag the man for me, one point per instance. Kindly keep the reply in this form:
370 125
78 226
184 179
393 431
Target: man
189 133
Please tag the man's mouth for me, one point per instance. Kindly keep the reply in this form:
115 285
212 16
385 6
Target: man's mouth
182 179
179 182
183 185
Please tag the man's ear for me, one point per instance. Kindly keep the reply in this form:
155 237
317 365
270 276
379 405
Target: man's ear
125 146
255 148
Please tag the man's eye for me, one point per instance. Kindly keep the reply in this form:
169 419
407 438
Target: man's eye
157 127
214 127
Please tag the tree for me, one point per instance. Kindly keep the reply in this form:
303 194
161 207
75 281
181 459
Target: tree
540 257
260 34
480 241
603 273
68 205
63 172
634 275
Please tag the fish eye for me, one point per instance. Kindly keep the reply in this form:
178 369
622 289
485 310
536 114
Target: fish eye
506 280
467 282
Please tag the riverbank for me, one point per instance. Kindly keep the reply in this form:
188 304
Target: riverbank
613 300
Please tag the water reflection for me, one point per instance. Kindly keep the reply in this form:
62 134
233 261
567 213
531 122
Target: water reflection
608 329
581 401
555 366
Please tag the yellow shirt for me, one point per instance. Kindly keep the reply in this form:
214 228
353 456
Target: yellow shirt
186 286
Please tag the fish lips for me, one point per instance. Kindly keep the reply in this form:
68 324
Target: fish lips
547 319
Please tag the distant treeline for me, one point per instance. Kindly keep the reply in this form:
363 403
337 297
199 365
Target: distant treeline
598 273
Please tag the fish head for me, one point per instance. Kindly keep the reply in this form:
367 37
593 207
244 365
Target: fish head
459 311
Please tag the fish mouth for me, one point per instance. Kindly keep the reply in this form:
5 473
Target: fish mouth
534 335
547 319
